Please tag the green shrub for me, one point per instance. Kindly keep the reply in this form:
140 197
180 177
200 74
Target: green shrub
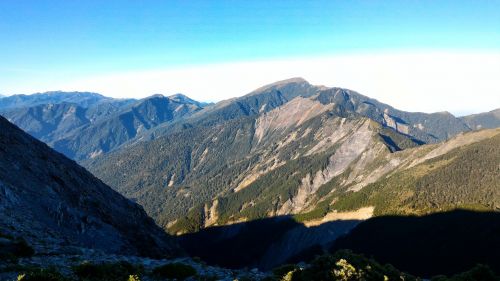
344 265
344 271
244 278
290 276
212 277
479 272
177 271
281 271
119 271
41 274
134 278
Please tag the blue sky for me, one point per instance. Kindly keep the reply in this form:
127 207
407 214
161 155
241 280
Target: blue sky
137 34
45 44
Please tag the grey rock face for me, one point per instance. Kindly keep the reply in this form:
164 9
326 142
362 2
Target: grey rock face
55 204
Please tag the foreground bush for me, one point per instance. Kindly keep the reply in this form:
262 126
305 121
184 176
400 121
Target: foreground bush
283 270
346 266
134 278
479 272
41 275
177 271
120 271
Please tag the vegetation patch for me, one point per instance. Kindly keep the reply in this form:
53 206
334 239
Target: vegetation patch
177 271
345 265
269 190
466 177
107 271
41 274
479 272
321 209
283 270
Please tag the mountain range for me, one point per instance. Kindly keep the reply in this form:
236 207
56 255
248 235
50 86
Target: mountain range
84 125
310 166
82 98
288 148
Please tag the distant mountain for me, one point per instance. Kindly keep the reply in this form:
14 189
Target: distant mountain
81 130
108 133
49 115
57 205
288 148
48 121
485 120
278 150
180 98
84 99
427 128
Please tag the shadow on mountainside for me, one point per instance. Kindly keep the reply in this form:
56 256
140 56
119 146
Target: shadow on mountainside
441 243
264 243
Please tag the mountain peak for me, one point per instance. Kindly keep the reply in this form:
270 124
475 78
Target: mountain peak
181 98
446 113
291 80
294 80
155 96
279 84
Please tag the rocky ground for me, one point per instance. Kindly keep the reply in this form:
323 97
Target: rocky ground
65 263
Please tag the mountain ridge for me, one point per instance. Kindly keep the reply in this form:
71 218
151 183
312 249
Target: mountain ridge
238 155
22 100
425 127
90 132
257 138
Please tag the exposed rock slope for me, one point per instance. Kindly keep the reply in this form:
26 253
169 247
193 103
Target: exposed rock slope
57 205
461 173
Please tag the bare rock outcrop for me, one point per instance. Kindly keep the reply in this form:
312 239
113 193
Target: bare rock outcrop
57 205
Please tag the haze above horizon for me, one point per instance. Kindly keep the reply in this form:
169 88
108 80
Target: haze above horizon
415 55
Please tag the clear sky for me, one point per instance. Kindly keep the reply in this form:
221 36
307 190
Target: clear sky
211 50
